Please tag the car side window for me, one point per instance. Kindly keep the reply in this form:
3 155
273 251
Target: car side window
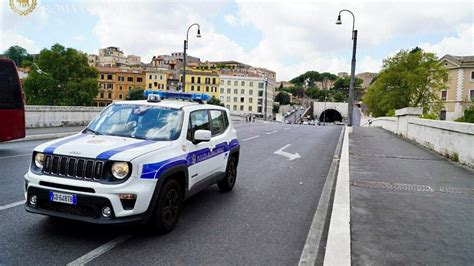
198 120
218 122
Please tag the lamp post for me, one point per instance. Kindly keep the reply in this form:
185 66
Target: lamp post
198 35
265 104
353 64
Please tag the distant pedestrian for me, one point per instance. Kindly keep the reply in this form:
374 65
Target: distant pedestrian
370 122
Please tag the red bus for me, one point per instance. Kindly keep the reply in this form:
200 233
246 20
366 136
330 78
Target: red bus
12 110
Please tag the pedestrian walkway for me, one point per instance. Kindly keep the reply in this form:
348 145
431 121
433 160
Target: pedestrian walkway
408 205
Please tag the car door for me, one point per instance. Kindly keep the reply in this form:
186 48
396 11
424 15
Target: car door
219 140
200 165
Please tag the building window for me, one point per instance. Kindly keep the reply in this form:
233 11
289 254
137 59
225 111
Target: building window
260 85
471 95
251 84
155 84
207 88
213 80
109 77
250 108
242 99
120 96
121 78
444 95
130 79
250 92
101 95
236 91
235 99
235 108
228 106
228 91
260 94
236 83
472 75
228 82
110 86
250 100
242 83
155 76
192 87
199 87
199 80
222 90
241 108
149 85
221 98
192 79
149 77
161 77
139 79
101 76
110 95
120 87
228 99
242 91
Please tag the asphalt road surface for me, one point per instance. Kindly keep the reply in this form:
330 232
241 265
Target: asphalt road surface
264 220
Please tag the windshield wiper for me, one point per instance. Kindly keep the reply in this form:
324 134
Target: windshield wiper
92 131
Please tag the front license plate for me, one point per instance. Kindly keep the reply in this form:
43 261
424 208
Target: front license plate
63 197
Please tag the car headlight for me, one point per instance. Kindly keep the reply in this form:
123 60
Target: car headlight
39 160
120 170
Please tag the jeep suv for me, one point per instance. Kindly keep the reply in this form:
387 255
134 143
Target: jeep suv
136 161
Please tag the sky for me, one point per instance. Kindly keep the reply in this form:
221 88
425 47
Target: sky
289 37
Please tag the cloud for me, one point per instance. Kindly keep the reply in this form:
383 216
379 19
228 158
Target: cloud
461 44
230 19
10 38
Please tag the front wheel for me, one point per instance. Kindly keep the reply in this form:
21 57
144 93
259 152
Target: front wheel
166 213
230 176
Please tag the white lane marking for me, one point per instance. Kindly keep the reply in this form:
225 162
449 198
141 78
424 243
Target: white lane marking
271 132
100 250
288 155
254 137
14 156
11 205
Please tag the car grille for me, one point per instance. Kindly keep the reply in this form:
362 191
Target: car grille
72 167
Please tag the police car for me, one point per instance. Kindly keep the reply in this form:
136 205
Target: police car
136 161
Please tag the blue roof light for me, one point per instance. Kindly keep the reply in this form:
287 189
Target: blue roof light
179 95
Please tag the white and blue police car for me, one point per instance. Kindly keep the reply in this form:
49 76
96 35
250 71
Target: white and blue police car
136 161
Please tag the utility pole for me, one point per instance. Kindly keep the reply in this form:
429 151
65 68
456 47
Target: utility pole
265 103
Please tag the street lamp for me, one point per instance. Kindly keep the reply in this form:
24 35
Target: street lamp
198 35
353 64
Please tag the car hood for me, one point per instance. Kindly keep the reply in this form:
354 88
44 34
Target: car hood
101 147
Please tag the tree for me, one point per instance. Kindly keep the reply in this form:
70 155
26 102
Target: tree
283 98
66 78
215 101
408 79
135 94
276 108
468 116
343 84
17 54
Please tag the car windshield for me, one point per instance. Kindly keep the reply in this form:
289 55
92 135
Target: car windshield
138 121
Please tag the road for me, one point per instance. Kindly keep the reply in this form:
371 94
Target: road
264 220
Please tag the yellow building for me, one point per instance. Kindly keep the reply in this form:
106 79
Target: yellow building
155 79
460 92
115 83
204 81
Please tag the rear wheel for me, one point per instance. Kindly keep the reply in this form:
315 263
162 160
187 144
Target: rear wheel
230 176
166 213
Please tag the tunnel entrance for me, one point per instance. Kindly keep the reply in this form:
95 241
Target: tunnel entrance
330 115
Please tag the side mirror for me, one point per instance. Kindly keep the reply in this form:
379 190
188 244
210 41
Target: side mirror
201 135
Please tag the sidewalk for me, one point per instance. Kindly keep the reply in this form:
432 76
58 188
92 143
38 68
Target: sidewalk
49 133
408 205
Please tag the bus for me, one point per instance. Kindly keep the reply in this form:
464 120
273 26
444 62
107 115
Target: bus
12 109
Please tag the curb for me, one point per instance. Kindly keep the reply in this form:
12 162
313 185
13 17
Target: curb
43 136
338 248
313 250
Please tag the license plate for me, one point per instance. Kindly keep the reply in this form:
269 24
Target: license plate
63 197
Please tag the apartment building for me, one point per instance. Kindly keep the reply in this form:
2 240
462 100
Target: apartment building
204 81
156 78
244 94
113 57
115 83
460 92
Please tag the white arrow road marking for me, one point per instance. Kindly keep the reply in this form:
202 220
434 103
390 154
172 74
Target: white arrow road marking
288 155
11 205
271 132
254 137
